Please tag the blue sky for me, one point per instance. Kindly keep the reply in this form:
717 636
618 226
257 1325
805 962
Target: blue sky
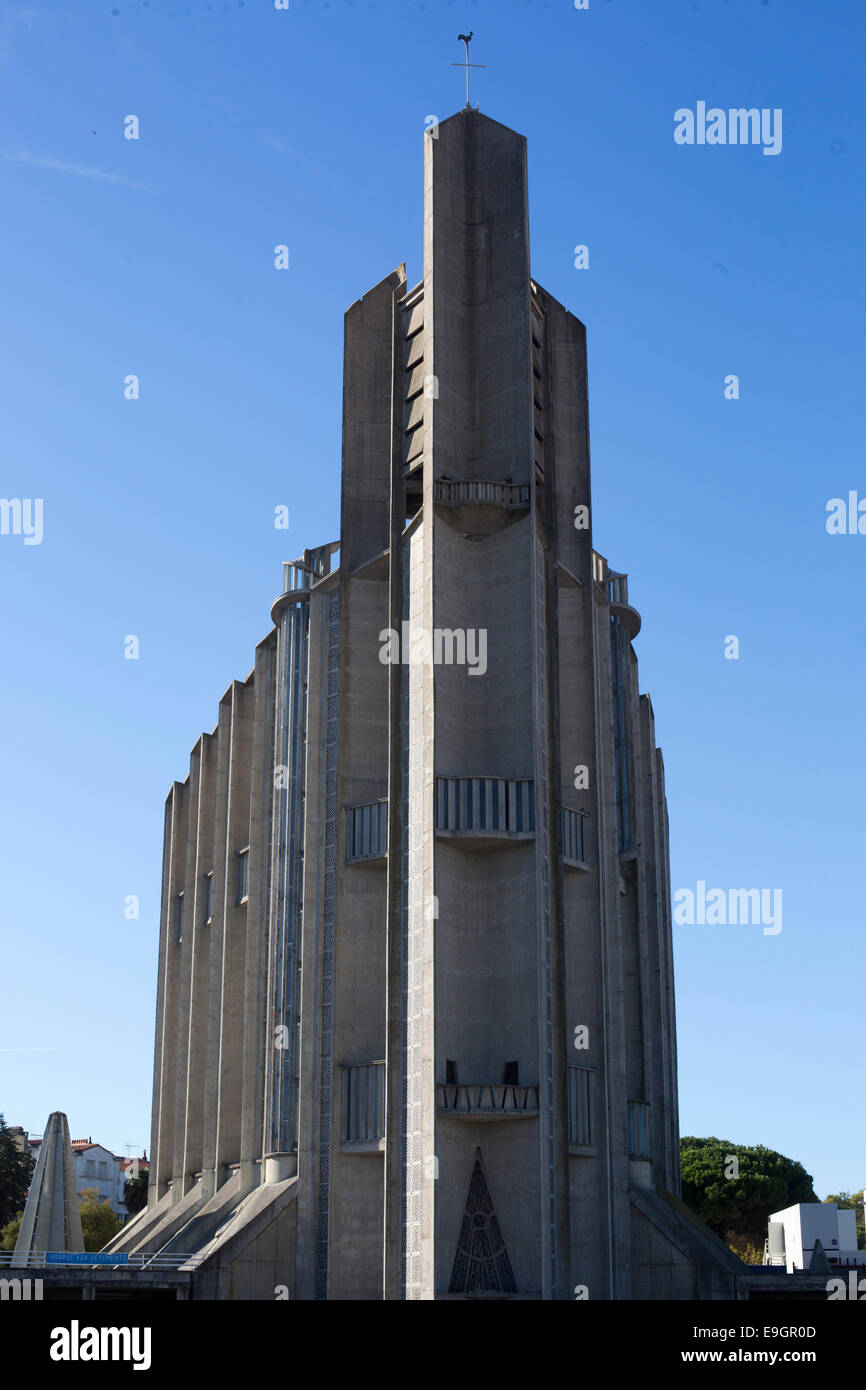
155 257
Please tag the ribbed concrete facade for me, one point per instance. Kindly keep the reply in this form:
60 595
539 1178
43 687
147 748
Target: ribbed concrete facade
415 1030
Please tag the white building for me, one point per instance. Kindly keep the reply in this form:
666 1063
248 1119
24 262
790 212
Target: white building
792 1234
97 1167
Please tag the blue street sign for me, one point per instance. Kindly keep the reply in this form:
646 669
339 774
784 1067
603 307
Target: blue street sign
83 1257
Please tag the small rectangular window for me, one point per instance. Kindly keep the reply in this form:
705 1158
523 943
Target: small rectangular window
243 875
573 836
366 831
178 913
638 1129
580 1130
208 898
363 1103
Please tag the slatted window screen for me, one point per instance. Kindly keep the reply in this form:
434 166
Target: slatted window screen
366 831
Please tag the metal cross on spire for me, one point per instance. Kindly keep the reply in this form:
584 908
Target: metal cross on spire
465 38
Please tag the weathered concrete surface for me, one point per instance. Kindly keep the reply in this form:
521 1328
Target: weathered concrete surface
51 1218
446 955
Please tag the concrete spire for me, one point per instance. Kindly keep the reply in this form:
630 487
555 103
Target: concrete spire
51 1216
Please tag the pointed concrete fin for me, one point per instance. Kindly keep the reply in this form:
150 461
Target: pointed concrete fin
52 1219
395 281
819 1264
481 1264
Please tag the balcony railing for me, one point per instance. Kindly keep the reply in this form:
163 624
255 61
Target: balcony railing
485 804
500 494
301 574
42 1259
487 1100
617 588
312 565
614 583
366 831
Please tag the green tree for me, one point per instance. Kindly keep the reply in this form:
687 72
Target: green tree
98 1222
747 1250
852 1201
9 1233
16 1170
761 1181
135 1193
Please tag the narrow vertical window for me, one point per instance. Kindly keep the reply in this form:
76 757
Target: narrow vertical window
208 898
580 1133
178 917
243 875
638 1129
622 731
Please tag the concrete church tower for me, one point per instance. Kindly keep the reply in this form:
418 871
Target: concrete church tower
415 1033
